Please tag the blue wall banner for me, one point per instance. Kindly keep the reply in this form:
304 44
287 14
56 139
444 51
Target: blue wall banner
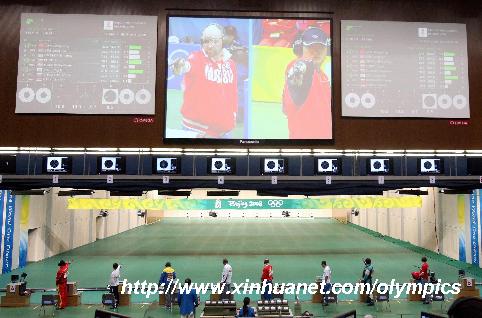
480 217
9 227
474 229
2 194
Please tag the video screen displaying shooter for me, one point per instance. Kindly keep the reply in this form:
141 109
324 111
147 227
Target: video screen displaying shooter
210 104
239 78
307 91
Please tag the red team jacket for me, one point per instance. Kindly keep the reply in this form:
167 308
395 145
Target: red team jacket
267 272
279 29
61 277
210 95
312 119
424 271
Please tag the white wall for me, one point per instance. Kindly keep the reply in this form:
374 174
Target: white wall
401 223
59 229
434 226
449 226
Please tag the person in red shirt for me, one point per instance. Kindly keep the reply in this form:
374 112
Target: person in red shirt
422 275
210 102
267 279
61 283
324 25
307 90
278 32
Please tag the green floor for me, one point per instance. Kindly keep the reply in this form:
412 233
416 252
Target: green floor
397 309
196 249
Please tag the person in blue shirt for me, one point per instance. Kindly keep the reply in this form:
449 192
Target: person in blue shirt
246 310
187 301
167 280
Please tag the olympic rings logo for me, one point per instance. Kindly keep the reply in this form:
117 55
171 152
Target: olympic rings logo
275 203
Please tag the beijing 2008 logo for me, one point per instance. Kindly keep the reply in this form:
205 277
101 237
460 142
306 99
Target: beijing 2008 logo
275 203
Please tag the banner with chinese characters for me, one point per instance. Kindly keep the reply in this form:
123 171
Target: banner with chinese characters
8 218
474 228
243 204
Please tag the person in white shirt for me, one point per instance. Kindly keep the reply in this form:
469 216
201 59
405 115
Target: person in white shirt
327 281
114 283
226 277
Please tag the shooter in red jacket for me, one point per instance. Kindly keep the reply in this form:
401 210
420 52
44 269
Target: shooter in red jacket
307 91
210 102
61 282
422 275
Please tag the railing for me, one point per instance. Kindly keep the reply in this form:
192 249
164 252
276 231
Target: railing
46 290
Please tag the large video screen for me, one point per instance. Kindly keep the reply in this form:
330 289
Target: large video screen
404 69
86 64
248 79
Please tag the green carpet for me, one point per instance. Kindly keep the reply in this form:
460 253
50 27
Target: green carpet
196 248
397 309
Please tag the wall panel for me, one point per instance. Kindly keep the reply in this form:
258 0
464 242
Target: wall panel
120 131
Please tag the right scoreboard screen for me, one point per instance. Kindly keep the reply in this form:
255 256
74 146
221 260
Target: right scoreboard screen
404 69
